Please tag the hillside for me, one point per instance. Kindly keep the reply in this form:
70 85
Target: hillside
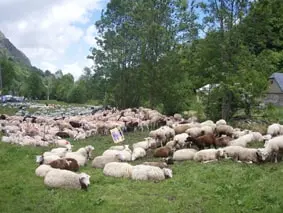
9 50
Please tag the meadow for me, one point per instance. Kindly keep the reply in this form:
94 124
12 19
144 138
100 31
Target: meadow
223 186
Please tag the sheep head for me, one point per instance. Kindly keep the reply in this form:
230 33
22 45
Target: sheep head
167 173
84 180
220 153
262 154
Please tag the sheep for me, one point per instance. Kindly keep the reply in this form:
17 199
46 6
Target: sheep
119 148
205 140
244 140
138 152
221 122
274 129
207 155
173 144
127 153
181 128
118 169
224 130
42 170
67 180
40 159
239 153
184 154
144 144
181 139
61 152
146 172
81 155
101 161
239 133
65 163
272 149
194 132
162 152
161 165
63 143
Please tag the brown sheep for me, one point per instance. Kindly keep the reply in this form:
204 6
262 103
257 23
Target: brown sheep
65 163
204 140
162 152
181 128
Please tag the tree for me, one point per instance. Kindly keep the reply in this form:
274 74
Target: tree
35 88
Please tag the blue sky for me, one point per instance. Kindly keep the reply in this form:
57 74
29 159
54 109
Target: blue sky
56 35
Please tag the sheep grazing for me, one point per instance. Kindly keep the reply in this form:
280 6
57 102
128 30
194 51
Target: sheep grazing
101 161
81 155
162 152
207 155
272 148
65 163
203 141
146 172
184 154
66 179
138 152
161 165
118 169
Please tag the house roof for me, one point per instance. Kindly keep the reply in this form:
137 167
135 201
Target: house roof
278 77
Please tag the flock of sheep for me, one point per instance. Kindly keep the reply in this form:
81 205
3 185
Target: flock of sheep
173 139
176 141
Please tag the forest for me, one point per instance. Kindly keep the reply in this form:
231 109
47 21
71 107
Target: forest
158 53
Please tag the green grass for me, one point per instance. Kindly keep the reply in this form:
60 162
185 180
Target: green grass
216 187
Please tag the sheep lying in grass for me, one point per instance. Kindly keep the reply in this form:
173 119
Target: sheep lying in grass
246 139
208 155
66 179
118 169
202 141
146 144
240 154
119 148
272 148
40 159
138 152
158 164
146 172
81 155
126 152
101 161
162 152
184 154
42 170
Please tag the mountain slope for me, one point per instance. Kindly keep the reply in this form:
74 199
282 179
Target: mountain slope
9 50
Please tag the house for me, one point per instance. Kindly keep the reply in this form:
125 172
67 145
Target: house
275 89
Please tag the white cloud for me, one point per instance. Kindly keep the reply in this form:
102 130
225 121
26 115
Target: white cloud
44 32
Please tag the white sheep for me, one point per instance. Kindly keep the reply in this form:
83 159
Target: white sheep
66 179
101 161
42 170
181 139
207 155
119 148
156 163
81 155
184 154
221 122
194 132
118 169
127 153
146 172
138 152
271 149
274 129
246 139
146 144
224 130
40 159
239 153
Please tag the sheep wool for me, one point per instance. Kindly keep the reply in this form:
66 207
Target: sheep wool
146 172
138 153
118 169
66 179
101 161
42 170
184 154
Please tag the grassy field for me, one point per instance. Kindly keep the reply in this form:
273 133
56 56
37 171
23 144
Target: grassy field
216 187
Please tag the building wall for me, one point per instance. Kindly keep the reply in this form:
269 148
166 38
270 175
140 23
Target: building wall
274 98
273 87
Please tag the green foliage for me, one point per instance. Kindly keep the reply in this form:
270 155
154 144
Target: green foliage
78 93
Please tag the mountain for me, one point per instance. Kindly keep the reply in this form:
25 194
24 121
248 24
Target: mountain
9 50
